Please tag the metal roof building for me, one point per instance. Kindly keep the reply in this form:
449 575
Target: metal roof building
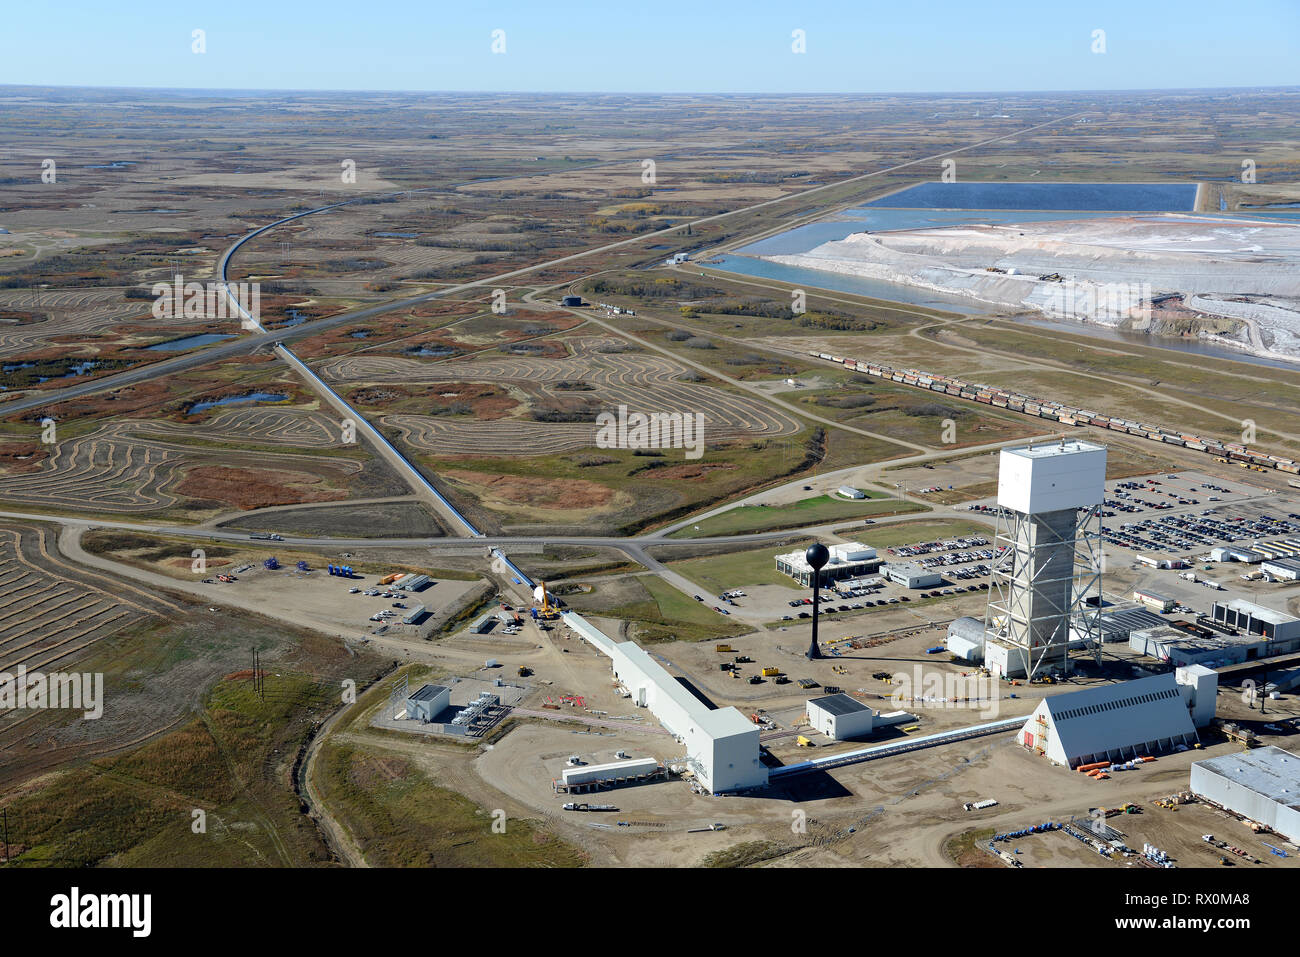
1258 620
427 703
1113 722
912 575
1262 785
1287 569
840 717
848 560
1181 647
1119 625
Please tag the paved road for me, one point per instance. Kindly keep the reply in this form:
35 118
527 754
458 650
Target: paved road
486 541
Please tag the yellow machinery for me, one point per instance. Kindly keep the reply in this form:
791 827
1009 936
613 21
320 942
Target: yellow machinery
803 742
723 648
770 672
545 611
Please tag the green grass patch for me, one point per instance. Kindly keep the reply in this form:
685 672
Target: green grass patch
908 533
401 818
816 510
720 573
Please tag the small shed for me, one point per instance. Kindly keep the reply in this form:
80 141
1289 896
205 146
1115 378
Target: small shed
428 702
840 717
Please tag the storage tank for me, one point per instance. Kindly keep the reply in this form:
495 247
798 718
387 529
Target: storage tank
966 639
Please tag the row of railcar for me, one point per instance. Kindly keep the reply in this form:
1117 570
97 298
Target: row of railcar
1056 412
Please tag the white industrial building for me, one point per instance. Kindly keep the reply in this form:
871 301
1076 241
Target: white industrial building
1111 723
1200 688
912 575
428 702
1179 647
1284 569
616 771
721 744
1281 629
1154 600
848 491
840 717
1262 785
848 560
1226 553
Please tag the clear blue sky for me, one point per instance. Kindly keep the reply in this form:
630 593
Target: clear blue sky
654 45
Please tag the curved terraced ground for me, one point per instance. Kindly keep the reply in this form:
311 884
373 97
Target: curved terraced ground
114 469
73 312
643 383
105 470
290 427
51 615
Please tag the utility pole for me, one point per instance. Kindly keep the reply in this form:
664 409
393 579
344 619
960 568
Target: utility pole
5 813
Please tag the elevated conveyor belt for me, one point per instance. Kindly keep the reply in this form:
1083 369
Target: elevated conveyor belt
900 747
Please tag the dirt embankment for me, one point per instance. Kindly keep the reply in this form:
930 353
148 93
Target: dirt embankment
535 491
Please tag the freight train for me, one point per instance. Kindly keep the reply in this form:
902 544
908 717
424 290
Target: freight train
1255 459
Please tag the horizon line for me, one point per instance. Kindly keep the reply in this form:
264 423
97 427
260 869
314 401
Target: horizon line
1284 89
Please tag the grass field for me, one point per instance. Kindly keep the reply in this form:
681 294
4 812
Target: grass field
659 611
722 572
811 511
906 533
230 763
400 818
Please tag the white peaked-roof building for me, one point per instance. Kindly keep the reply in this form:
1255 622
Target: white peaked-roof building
1111 723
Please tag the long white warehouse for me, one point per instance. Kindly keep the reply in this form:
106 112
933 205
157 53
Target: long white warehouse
632 768
721 744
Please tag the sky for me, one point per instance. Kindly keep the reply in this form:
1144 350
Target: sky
655 46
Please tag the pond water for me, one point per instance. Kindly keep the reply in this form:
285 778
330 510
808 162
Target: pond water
236 400
189 342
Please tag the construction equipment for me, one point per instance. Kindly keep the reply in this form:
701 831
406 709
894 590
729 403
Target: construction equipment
525 671
545 610
803 742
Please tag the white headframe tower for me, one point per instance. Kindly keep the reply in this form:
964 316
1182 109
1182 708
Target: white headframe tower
1050 525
